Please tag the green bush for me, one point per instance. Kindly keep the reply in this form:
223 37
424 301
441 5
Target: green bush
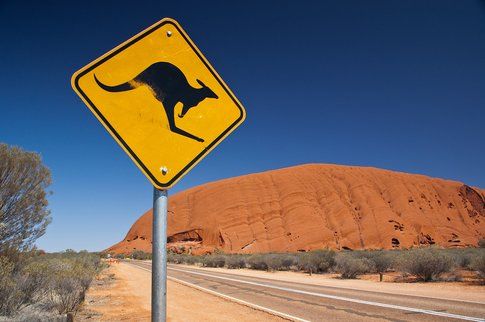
141 255
318 261
351 266
380 260
236 261
59 280
21 286
257 261
478 264
213 261
426 263
279 262
461 257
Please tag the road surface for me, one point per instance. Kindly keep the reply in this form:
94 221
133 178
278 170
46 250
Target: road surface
305 302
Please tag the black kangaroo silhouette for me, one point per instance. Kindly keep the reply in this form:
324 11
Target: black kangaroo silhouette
169 86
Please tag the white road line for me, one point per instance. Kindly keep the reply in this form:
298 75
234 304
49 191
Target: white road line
343 287
252 305
340 298
233 299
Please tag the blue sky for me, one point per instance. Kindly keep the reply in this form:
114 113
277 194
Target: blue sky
398 85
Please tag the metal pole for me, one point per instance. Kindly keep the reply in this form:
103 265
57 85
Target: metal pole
159 256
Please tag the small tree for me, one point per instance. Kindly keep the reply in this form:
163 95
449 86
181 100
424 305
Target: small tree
381 261
23 205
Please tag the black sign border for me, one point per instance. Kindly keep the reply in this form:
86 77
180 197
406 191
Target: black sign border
120 139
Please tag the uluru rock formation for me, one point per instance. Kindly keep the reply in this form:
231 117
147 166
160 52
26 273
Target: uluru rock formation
316 206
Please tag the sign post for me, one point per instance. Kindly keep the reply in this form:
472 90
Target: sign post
159 255
166 106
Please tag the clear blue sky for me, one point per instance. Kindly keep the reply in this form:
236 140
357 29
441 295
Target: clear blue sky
393 84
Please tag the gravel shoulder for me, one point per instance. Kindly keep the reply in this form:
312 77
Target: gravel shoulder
122 293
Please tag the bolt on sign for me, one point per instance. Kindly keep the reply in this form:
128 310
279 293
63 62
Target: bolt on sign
161 100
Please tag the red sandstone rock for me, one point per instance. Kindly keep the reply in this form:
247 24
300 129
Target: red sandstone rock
316 206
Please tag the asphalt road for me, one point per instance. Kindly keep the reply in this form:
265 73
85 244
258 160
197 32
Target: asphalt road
305 302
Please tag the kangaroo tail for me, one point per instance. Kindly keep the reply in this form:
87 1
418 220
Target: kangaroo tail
117 88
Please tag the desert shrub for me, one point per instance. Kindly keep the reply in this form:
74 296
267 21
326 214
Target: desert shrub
58 281
279 262
189 259
351 266
461 257
425 263
182 258
141 255
236 261
70 275
66 288
381 260
214 260
481 243
478 264
9 294
257 261
20 287
318 261
287 261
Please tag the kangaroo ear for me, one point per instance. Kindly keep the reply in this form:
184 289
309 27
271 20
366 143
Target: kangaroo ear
201 83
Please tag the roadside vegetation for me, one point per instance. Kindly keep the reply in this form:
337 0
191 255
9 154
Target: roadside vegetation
415 264
35 286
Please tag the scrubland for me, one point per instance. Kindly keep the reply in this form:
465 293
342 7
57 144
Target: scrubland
415 264
39 286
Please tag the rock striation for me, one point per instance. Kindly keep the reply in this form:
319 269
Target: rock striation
316 206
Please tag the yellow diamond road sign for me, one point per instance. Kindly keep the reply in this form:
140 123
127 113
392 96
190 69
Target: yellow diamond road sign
161 100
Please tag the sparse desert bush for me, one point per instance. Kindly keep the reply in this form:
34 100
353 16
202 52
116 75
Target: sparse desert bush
478 264
381 260
70 275
279 262
257 261
141 255
236 261
351 266
21 286
10 295
59 281
425 263
462 257
189 259
213 260
318 261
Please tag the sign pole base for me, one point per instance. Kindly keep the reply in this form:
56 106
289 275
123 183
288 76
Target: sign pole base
159 256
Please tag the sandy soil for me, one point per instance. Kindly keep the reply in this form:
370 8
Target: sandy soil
122 293
444 290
